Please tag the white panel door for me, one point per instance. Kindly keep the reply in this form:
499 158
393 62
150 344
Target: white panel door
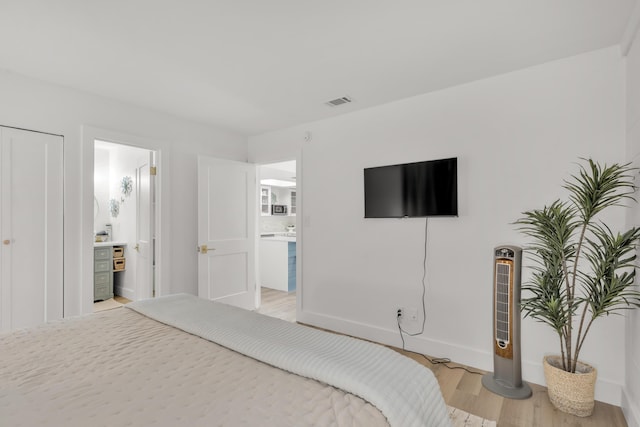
144 228
31 228
226 227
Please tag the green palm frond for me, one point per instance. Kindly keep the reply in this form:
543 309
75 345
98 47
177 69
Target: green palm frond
599 187
551 229
606 290
580 266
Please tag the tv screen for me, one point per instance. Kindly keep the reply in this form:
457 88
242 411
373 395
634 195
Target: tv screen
419 189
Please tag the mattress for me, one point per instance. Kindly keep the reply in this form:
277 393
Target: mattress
121 367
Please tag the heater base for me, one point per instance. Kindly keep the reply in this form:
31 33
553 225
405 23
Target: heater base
497 387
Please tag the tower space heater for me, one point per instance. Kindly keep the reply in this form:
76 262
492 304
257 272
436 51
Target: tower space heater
506 380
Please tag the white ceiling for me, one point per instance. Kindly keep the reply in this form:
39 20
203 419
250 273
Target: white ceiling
255 65
285 171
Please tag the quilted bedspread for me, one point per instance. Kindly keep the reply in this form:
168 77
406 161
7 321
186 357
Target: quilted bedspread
119 368
406 392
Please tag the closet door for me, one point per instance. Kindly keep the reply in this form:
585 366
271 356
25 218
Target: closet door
31 228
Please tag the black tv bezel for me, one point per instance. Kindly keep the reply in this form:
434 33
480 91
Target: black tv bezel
402 165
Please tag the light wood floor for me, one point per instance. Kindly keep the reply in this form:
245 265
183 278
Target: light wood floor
464 390
278 304
121 300
99 305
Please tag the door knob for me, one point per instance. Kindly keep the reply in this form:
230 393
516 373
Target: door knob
203 249
137 247
6 242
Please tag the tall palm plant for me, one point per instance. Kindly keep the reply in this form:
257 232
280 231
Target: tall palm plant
582 269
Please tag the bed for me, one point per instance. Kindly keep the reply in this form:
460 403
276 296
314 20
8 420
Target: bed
183 360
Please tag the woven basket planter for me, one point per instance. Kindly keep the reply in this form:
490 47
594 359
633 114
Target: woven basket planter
570 393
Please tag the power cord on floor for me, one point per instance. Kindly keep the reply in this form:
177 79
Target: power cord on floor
436 360
444 361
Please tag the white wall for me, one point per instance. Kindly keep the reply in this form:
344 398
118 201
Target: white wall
516 137
101 189
631 395
32 104
123 162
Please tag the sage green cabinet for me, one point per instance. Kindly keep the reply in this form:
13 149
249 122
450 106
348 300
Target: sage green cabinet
102 273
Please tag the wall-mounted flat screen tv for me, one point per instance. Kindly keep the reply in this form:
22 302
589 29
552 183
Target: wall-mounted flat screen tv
421 189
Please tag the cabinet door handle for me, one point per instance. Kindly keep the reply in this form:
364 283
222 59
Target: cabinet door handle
137 247
6 242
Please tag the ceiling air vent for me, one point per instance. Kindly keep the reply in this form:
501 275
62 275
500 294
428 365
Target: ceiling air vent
339 101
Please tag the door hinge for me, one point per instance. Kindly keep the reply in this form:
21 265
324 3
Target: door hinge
153 170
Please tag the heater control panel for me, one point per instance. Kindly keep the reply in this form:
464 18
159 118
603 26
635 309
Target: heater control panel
505 253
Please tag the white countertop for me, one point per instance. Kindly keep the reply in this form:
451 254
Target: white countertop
99 244
279 236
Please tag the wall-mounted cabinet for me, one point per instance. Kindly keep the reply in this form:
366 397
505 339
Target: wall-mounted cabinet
265 200
274 195
294 202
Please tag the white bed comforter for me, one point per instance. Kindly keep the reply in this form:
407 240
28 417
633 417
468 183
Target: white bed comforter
121 368
406 392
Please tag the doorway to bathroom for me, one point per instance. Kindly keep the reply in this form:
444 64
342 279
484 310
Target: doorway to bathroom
124 221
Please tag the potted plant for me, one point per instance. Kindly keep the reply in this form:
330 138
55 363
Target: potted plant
582 271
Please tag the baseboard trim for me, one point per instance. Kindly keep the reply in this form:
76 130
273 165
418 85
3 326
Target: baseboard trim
124 292
630 409
606 391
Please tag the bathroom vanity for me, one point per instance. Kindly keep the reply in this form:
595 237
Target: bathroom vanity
108 259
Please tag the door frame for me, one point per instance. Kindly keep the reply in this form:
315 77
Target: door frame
300 224
88 136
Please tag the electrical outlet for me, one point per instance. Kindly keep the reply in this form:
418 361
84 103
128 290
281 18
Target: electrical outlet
407 314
